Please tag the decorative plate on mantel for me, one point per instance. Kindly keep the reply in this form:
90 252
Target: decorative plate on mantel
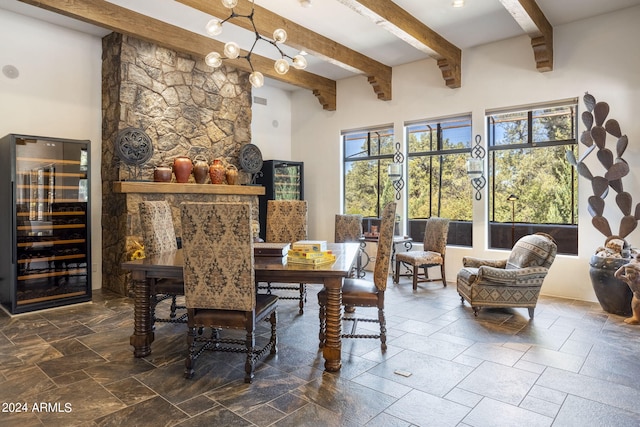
133 146
250 159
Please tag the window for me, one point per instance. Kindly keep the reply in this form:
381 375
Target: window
438 183
367 154
527 159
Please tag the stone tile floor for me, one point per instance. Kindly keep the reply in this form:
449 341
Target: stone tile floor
573 365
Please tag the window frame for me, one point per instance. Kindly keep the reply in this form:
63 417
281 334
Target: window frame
460 230
388 131
502 235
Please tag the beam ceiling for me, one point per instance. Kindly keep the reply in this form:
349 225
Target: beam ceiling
528 15
384 13
403 25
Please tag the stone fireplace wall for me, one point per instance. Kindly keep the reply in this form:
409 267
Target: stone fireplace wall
186 108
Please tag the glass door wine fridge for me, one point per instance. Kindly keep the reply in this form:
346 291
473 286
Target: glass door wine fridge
45 261
282 180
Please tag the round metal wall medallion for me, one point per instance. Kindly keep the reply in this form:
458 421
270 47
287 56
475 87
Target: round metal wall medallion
250 158
133 146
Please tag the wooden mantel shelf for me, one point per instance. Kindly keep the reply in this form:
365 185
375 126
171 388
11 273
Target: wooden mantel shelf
173 188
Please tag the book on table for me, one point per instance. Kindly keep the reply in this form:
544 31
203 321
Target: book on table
299 253
325 259
310 245
271 249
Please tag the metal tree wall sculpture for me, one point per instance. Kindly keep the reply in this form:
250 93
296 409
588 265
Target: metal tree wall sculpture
615 168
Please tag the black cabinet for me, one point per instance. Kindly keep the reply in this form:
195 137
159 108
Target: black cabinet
282 180
45 259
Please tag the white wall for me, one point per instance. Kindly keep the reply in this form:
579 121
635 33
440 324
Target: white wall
271 123
57 94
598 55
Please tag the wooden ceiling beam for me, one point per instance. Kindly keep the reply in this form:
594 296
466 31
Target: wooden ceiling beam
298 37
528 15
121 20
403 25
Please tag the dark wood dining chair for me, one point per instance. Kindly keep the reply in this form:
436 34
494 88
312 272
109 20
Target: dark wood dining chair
287 223
363 293
219 283
159 236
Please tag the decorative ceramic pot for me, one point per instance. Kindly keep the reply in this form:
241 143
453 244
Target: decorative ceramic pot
162 174
200 169
182 167
613 294
232 175
217 172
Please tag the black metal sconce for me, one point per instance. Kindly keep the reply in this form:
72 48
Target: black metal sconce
395 171
475 167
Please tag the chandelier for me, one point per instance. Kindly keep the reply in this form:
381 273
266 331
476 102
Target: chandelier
232 50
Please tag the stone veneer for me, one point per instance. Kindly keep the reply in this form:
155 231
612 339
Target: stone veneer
186 108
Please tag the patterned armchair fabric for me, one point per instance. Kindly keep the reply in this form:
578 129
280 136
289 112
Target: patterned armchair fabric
158 236
348 228
513 282
363 293
433 253
219 283
157 227
286 221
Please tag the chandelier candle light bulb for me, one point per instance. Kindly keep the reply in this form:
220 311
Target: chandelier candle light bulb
213 27
231 50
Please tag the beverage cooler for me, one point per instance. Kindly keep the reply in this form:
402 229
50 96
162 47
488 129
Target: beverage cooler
283 180
45 259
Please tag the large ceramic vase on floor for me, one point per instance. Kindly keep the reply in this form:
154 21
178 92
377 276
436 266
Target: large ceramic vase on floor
613 294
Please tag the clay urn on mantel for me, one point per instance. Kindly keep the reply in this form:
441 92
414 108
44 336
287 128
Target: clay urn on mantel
182 168
200 169
217 172
232 174
162 174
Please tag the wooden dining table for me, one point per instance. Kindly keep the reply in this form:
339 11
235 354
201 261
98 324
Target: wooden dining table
267 269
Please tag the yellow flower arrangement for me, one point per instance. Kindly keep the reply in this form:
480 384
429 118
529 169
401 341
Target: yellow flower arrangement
138 253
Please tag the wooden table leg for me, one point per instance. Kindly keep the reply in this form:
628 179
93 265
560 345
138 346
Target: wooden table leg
333 344
142 333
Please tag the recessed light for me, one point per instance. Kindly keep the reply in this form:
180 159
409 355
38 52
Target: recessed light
305 3
10 71
457 3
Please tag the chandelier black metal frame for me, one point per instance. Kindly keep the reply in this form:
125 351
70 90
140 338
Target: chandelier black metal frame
232 50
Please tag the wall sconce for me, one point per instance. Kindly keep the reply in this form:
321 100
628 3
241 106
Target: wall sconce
475 168
395 171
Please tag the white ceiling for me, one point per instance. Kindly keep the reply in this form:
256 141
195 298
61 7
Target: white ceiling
479 22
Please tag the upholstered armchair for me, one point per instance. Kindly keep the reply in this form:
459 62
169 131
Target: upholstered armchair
159 236
287 223
511 282
219 284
